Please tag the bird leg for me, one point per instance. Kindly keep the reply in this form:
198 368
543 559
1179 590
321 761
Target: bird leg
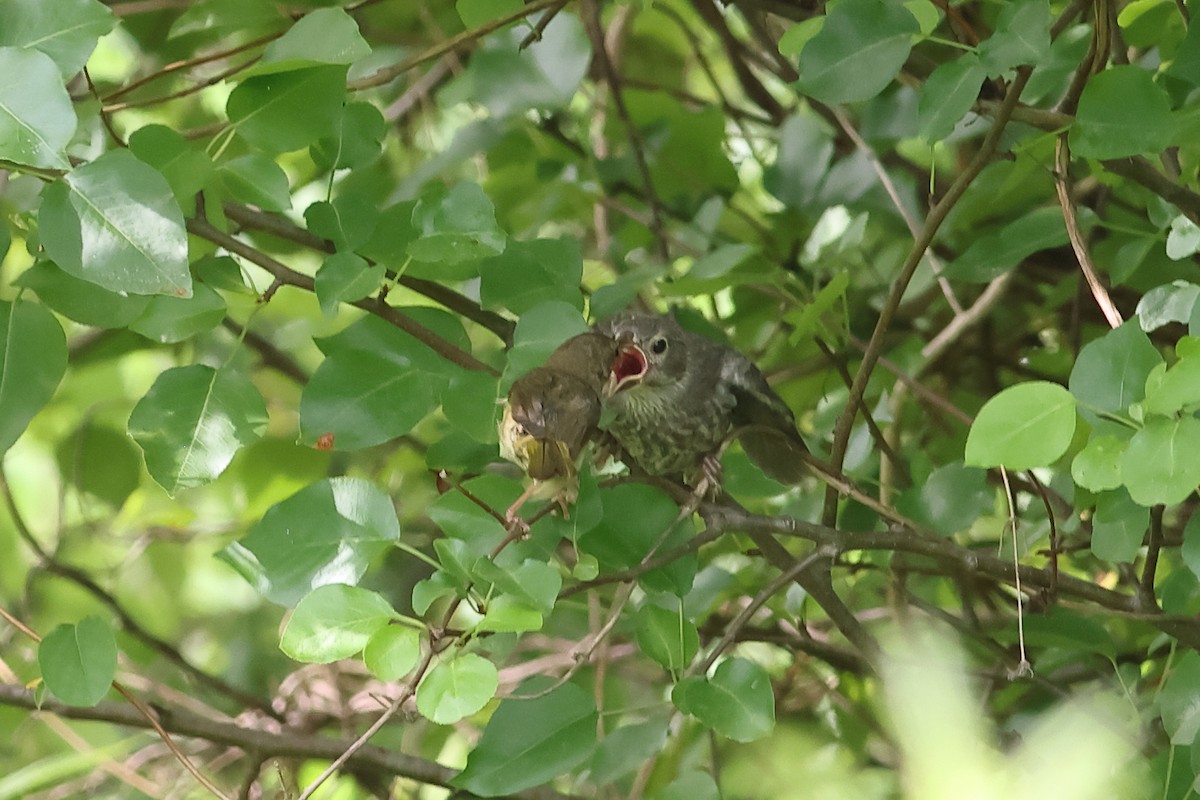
513 522
707 481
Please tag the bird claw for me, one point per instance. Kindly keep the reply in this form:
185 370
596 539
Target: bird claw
707 484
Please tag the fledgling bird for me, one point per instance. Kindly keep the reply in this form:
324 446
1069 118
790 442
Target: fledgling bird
677 397
551 413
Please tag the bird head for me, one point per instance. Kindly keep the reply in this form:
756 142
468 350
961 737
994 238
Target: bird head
650 352
525 442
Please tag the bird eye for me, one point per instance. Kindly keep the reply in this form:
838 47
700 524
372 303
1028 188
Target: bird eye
658 346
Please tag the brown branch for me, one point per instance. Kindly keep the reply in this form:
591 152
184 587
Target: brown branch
591 22
130 625
736 52
286 743
1062 170
462 305
933 222
175 66
950 554
388 74
290 277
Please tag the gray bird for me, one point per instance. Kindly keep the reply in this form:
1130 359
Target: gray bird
676 398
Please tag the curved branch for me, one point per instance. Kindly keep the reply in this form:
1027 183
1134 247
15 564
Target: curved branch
289 277
284 743
460 304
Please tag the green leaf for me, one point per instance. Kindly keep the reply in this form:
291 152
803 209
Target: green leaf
65 30
802 164
344 278
1183 240
666 636
33 359
115 222
636 518
176 319
507 614
192 421
509 79
534 583
1022 37
289 110
1118 527
529 742
950 499
79 662
736 702
948 94
456 688
472 401
333 622
186 167
857 52
626 749
326 533
529 273
992 254
539 331
1097 467
392 652
1179 700
1122 112
101 462
457 226
1025 426
474 13
1110 373
357 142
1162 462
1186 64
690 785
323 36
1172 302
36 117
363 398
257 180
1190 549
1171 391
348 221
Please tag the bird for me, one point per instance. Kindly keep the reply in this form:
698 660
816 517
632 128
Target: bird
551 413
677 398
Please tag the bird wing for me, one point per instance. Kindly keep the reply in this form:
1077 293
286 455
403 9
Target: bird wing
766 426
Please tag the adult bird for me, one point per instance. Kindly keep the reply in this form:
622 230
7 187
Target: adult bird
551 413
678 397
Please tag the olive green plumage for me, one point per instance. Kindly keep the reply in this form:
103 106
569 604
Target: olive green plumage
677 396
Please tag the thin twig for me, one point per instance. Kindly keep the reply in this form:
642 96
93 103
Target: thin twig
591 15
288 276
933 222
1062 169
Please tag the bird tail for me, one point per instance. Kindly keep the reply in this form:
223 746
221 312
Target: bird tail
782 455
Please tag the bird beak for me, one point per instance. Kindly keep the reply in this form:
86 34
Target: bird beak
546 458
628 369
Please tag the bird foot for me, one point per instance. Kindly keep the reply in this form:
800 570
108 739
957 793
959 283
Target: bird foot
707 483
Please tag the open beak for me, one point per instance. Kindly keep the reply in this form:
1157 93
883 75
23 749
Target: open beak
628 369
546 458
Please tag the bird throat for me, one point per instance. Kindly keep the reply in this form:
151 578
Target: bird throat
628 368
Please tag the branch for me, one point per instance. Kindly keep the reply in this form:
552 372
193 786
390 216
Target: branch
595 30
972 562
286 743
933 222
460 304
1062 177
289 277
128 623
388 74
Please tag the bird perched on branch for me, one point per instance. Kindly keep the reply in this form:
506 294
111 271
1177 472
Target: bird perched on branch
678 397
550 415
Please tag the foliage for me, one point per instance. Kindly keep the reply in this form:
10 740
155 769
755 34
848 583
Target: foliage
267 271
